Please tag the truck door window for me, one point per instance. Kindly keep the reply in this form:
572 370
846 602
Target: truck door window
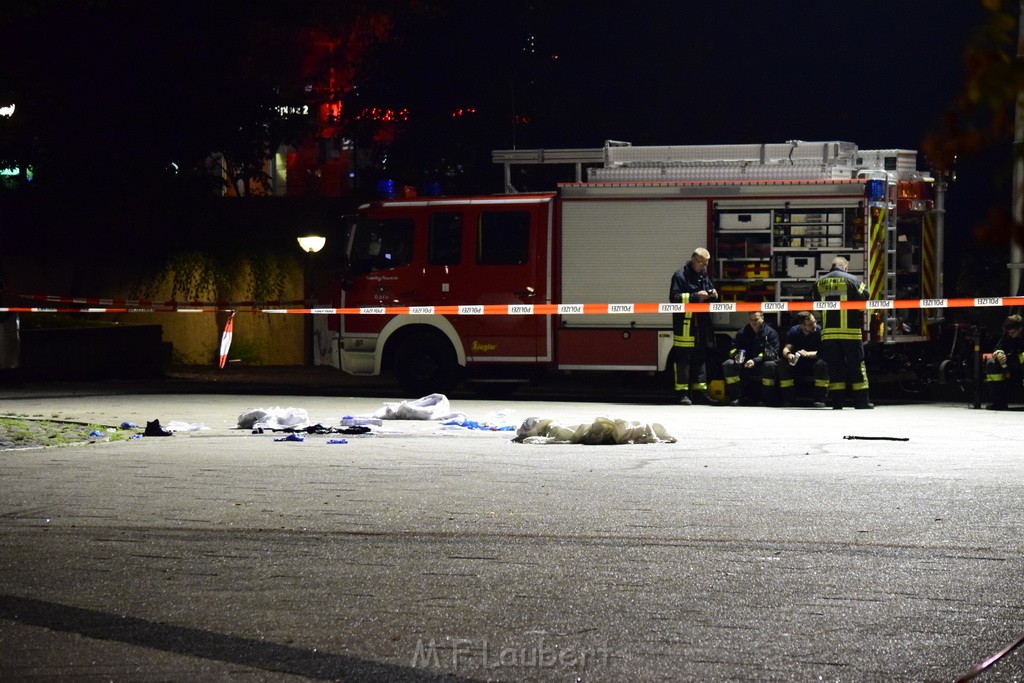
380 244
503 238
444 240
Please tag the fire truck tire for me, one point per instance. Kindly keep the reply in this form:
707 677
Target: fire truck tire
426 364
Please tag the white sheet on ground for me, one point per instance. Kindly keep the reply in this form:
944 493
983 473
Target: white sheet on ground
431 407
179 426
602 431
274 418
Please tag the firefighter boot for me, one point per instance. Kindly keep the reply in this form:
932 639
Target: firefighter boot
860 399
837 397
1000 395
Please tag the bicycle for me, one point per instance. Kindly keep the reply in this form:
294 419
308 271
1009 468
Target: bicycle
922 369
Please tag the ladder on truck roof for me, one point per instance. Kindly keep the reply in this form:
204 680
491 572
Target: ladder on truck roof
529 157
792 160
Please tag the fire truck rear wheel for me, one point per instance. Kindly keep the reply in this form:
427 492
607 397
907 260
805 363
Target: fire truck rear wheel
426 364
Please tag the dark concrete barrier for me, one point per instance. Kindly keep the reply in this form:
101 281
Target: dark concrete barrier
116 352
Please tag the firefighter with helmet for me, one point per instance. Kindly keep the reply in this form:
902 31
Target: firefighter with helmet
842 345
692 333
1003 369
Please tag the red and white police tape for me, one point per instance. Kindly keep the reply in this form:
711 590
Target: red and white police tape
553 309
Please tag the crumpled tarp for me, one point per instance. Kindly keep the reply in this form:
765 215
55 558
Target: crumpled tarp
432 407
274 418
602 431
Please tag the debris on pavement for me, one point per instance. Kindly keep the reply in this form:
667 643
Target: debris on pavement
290 437
316 429
352 421
98 435
154 429
602 431
274 418
493 422
430 407
463 423
879 438
179 426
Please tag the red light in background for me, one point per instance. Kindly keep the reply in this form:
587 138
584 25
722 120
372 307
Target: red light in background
386 115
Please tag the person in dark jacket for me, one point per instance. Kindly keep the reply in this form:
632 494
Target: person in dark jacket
800 359
692 333
842 336
1004 369
755 344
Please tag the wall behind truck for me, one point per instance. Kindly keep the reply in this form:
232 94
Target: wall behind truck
106 250
258 339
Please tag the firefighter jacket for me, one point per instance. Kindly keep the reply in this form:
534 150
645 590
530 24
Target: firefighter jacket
757 346
689 328
842 324
1013 347
799 341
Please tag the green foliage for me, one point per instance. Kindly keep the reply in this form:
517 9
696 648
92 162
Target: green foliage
201 276
196 276
246 352
267 276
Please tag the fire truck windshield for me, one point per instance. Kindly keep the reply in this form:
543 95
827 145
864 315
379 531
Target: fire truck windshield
380 244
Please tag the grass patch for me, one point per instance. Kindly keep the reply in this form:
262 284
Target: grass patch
19 432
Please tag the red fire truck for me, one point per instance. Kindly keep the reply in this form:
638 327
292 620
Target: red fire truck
773 216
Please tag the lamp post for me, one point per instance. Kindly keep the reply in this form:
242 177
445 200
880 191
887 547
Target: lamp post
310 245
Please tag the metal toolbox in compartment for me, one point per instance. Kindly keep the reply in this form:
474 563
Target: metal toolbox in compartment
752 220
796 290
816 217
856 259
801 266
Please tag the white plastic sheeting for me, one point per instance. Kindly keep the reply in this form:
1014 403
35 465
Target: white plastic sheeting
274 418
602 431
431 407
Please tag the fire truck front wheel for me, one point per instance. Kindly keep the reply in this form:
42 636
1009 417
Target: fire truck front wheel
426 364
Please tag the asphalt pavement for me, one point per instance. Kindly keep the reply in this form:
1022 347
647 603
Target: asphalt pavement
765 544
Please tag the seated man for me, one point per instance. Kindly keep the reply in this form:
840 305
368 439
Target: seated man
756 343
800 359
1005 364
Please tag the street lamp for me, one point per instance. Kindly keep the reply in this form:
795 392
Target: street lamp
310 245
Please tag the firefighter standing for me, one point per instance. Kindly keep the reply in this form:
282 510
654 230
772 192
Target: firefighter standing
842 345
1004 367
692 333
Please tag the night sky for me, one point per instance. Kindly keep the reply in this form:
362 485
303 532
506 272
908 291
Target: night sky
699 73
879 74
